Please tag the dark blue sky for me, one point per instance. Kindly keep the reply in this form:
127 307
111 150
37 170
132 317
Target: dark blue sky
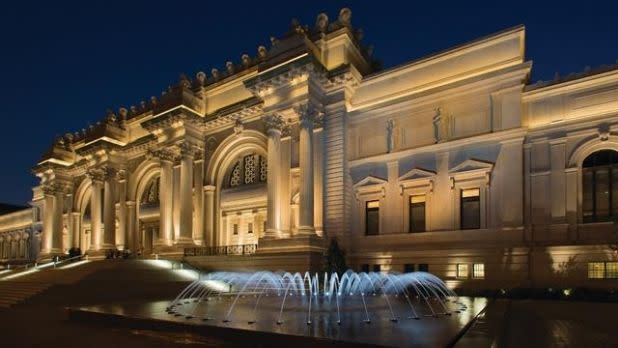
63 64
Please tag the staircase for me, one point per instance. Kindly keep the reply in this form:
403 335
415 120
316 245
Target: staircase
14 292
92 282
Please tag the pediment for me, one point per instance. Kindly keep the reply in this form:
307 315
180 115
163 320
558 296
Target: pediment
472 165
370 181
416 174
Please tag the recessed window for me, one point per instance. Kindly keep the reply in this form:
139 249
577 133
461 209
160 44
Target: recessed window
408 267
377 268
235 229
470 209
478 271
462 270
611 270
596 270
372 218
250 227
417 213
423 267
600 186
365 267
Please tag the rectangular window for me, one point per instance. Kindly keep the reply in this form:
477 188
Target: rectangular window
365 267
478 271
377 268
611 270
470 209
372 218
423 267
250 227
408 268
417 213
462 270
235 229
596 270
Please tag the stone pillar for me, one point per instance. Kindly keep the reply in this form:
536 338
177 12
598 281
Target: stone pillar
185 235
132 240
318 168
198 193
165 198
70 225
121 233
209 215
109 211
176 202
76 229
56 245
284 185
306 220
48 221
95 210
273 126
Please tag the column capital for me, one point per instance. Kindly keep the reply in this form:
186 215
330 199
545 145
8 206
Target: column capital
163 155
187 149
308 115
97 175
209 188
274 123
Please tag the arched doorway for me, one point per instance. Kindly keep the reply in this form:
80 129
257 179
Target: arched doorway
600 186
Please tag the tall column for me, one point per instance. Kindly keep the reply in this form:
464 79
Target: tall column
318 175
198 192
70 224
75 221
165 198
121 234
48 220
209 215
132 239
95 209
186 195
109 210
273 126
56 246
176 202
306 220
284 185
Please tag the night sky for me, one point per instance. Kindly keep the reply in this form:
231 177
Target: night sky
62 65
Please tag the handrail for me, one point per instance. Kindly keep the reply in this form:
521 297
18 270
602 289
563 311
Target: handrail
53 262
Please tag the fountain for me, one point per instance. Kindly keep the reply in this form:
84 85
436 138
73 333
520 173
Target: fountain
288 298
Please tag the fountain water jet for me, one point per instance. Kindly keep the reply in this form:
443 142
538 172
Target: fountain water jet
303 293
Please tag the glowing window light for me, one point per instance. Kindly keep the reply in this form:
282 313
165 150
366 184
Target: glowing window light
462 270
478 271
596 270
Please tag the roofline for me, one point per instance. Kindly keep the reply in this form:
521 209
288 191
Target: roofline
431 56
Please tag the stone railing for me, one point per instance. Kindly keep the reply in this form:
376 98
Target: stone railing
240 249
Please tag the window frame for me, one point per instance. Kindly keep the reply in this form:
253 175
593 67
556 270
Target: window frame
462 271
474 270
463 200
367 210
612 170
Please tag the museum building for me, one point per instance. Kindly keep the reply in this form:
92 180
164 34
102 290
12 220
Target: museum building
453 164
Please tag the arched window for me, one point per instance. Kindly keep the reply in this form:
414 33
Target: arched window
600 186
250 169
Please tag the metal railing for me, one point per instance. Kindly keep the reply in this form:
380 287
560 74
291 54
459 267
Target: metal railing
54 262
240 249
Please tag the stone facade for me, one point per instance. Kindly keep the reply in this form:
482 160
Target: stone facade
306 141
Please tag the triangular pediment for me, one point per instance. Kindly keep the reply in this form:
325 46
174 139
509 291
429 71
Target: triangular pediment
370 181
472 165
417 173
